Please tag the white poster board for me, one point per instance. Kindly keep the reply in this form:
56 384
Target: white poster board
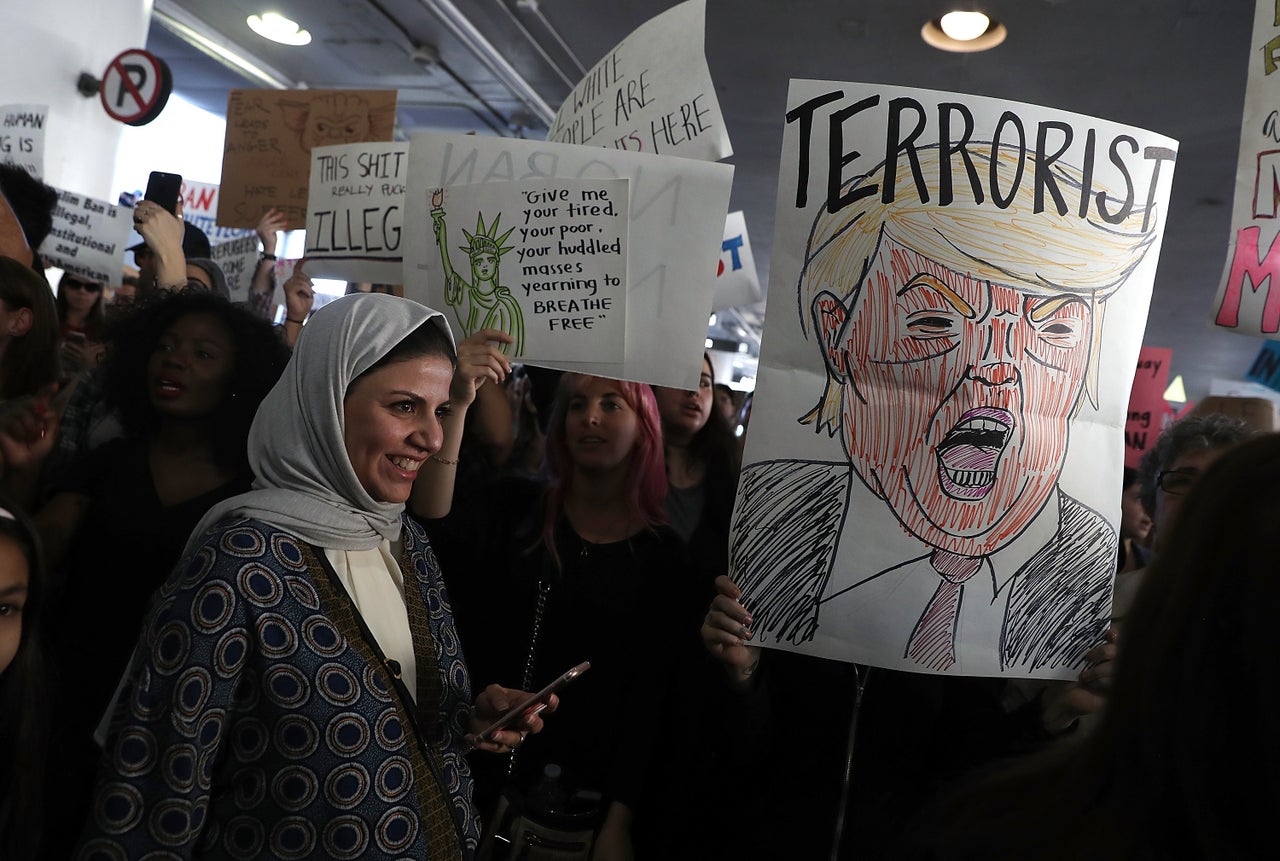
22 130
676 216
932 478
355 211
652 93
200 207
737 282
1248 300
238 259
546 263
88 237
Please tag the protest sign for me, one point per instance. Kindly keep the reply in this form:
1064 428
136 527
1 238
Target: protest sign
22 136
676 214
1148 410
200 207
88 237
547 264
737 282
266 161
238 259
652 93
932 478
355 211
1248 298
1265 369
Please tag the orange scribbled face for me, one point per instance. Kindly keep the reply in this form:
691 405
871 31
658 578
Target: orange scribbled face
957 394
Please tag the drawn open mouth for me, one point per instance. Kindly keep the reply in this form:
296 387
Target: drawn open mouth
969 454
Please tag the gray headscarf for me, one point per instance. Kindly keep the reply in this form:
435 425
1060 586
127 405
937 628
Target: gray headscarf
305 483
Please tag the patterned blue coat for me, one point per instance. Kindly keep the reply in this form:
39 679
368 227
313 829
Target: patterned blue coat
264 722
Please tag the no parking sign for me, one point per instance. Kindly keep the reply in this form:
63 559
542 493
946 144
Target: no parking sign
135 87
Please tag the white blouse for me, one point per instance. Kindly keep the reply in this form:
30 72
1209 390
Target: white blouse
375 583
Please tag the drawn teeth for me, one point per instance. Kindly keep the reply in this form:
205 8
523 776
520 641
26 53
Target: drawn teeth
984 425
971 477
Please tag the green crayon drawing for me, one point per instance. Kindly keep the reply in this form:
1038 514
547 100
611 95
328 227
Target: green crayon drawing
479 303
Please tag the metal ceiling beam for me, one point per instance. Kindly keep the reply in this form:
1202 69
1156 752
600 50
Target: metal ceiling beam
462 29
199 35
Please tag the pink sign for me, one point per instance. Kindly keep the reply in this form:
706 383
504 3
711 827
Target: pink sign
1147 406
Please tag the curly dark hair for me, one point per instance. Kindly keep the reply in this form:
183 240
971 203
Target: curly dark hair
1193 433
260 357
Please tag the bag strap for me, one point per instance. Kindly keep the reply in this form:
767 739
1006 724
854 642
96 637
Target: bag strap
539 610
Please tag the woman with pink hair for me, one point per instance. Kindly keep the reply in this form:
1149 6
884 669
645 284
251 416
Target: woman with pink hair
579 569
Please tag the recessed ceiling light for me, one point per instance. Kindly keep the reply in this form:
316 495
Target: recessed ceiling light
278 28
963 31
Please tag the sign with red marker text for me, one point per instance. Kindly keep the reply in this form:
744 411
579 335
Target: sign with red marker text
737 282
675 212
1147 406
22 136
652 93
355 212
1248 300
88 237
266 160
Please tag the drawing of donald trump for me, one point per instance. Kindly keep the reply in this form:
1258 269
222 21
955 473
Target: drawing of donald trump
959 342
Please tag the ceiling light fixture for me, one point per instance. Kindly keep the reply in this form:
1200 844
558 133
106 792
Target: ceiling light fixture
963 32
278 28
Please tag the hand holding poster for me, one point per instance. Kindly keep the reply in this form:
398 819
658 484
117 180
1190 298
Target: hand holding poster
652 93
675 220
270 134
355 211
547 264
934 464
88 237
22 136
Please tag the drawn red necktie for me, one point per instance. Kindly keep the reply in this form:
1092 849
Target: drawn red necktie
933 642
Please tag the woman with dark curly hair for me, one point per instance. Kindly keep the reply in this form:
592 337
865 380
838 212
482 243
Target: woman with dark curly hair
186 374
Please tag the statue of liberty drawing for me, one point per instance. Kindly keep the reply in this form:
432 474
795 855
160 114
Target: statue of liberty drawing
481 302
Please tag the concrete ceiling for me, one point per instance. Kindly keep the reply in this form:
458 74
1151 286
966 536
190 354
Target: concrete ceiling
1177 67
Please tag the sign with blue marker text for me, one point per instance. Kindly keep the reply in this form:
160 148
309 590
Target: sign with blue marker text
737 282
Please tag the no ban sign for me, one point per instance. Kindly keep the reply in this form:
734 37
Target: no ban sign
135 87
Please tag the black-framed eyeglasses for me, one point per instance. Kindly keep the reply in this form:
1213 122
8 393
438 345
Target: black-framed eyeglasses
1176 482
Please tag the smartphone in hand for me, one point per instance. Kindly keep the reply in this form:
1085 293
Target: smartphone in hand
164 189
534 703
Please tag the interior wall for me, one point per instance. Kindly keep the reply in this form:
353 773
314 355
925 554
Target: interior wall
46 46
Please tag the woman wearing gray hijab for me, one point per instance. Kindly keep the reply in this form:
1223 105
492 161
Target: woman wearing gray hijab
299 690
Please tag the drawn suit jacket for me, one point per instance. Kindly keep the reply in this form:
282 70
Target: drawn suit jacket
783 550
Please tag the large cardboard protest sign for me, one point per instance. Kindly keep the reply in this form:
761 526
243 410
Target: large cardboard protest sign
652 93
1248 298
88 237
22 129
266 161
675 215
547 264
737 282
959 289
1148 411
355 211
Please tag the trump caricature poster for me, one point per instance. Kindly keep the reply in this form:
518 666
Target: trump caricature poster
958 292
